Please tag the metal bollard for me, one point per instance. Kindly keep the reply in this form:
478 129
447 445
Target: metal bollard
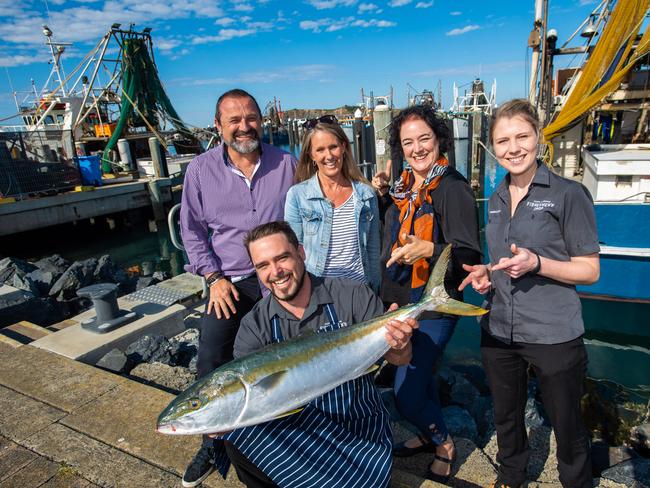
108 315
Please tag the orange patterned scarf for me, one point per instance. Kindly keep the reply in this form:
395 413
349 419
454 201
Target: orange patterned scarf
416 218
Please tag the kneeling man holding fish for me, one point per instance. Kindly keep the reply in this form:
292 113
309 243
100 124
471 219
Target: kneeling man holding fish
341 438
295 407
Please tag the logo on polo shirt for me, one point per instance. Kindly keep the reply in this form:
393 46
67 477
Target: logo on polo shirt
538 205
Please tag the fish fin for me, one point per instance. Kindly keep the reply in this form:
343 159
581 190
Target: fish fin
455 307
268 382
290 412
372 368
436 284
435 296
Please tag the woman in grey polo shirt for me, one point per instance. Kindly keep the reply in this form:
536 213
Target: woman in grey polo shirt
542 241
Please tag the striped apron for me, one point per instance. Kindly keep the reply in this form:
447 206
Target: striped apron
341 439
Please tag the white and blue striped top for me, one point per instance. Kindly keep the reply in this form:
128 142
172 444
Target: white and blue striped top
343 257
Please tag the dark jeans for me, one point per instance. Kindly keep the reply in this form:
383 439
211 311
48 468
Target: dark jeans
247 472
416 388
217 336
560 369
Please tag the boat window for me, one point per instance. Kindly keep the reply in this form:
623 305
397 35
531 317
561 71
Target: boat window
623 181
59 119
49 120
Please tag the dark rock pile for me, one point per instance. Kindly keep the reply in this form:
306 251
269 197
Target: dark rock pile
48 287
619 456
169 363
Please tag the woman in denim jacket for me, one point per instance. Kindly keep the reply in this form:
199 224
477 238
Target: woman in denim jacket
332 208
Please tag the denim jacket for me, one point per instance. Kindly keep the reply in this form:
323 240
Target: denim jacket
310 215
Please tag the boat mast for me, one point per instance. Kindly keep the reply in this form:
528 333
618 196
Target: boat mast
56 50
534 41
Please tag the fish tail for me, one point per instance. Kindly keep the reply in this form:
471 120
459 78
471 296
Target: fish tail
435 296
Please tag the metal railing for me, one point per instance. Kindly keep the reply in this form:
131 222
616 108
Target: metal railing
177 241
36 163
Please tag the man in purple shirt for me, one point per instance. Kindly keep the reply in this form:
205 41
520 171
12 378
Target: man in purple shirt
228 191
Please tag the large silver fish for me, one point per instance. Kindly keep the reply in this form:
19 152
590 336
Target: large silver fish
282 377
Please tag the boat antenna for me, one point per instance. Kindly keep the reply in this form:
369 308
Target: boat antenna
11 87
47 9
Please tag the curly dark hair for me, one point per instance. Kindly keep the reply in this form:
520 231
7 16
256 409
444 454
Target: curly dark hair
428 115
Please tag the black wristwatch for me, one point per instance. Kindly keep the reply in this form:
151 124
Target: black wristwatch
214 278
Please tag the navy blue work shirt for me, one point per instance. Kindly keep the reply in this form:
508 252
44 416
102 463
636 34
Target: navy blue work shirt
556 220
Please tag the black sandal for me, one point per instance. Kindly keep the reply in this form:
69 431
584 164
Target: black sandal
400 450
439 478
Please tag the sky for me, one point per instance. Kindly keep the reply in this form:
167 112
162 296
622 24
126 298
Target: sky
306 53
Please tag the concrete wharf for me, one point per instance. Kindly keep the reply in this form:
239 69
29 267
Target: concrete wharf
64 423
35 213
67 423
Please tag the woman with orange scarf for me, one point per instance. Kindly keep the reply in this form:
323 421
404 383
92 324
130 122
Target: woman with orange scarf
429 206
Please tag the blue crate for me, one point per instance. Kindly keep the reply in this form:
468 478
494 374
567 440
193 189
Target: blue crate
89 167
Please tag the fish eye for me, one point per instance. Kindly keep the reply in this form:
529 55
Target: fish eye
194 403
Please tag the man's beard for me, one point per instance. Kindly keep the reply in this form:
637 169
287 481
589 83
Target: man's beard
245 147
288 298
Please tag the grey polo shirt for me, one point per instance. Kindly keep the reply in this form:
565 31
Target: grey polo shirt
353 301
556 220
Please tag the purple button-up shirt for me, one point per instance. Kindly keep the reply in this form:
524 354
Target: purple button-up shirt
218 208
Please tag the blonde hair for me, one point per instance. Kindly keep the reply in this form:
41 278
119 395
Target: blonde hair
512 108
306 168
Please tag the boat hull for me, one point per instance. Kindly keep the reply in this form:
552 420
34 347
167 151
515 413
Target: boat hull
624 234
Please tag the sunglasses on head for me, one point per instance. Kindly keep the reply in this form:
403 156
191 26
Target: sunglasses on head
309 124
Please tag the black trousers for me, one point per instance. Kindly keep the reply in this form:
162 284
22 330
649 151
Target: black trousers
217 336
561 370
247 472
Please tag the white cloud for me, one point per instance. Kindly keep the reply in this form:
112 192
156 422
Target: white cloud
367 7
586 2
224 21
463 30
373 23
11 9
21 60
399 3
167 44
456 13
223 35
329 4
260 26
90 22
243 7
424 4
305 72
333 25
180 54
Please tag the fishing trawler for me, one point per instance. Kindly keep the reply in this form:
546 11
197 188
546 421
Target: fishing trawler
104 111
107 126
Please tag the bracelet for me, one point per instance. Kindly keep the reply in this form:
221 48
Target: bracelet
536 269
214 278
